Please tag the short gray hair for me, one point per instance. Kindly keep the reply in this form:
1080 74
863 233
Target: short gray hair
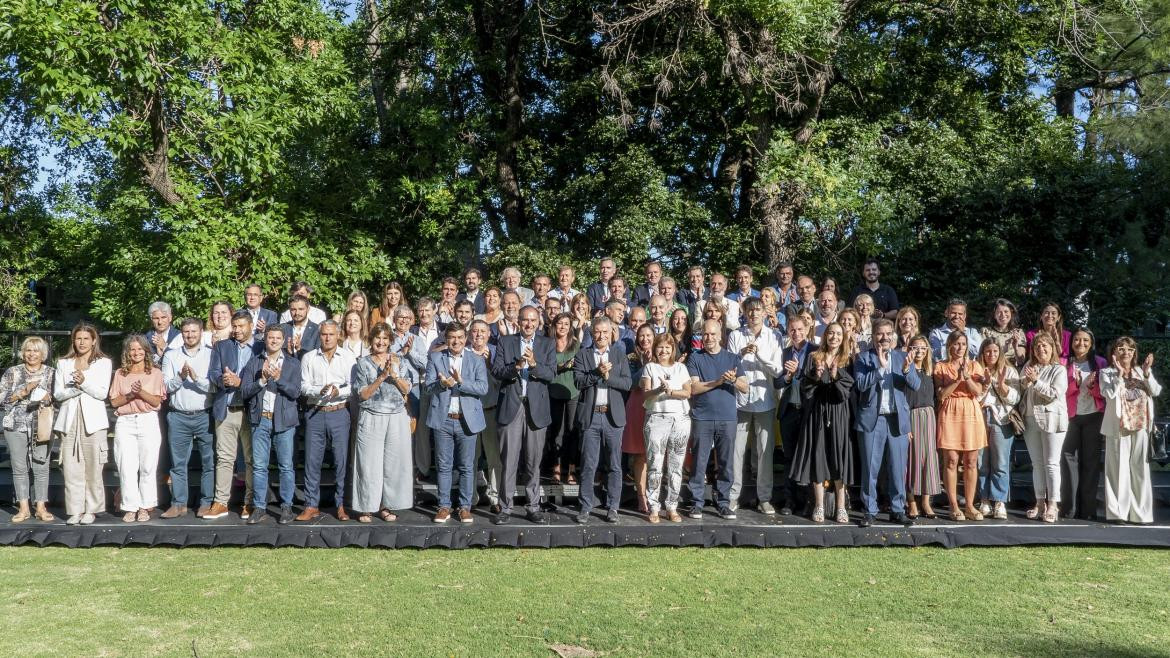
600 320
159 306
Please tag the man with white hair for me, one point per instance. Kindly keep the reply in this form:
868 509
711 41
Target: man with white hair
510 282
162 334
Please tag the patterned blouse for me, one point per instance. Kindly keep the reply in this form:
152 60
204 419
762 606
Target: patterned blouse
387 399
20 416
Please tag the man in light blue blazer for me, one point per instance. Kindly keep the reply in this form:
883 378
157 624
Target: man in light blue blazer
881 377
456 379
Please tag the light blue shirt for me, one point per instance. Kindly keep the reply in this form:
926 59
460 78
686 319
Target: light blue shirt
187 394
243 356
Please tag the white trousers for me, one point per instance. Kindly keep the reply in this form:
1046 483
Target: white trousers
137 439
1044 450
1129 494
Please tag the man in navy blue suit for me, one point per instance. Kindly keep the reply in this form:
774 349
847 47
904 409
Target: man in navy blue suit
456 378
301 334
271 384
524 364
598 292
228 360
162 334
262 318
881 377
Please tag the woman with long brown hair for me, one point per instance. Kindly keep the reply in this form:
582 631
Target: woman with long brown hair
922 478
959 383
81 384
999 400
1129 391
824 450
633 436
393 296
136 395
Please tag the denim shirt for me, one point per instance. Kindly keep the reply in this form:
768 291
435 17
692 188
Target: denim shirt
387 399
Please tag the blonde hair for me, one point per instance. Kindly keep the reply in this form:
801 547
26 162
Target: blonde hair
38 343
130 341
1044 337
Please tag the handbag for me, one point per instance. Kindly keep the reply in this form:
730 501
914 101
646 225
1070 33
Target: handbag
1014 418
44 423
1159 437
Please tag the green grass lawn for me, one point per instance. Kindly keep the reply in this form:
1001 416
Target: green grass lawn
620 602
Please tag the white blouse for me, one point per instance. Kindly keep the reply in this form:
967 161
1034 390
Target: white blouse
89 399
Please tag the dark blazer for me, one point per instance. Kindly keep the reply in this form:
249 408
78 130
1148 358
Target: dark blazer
473 385
690 299
269 317
595 293
783 383
865 386
478 304
504 369
586 377
310 339
224 354
287 389
643 293
172 332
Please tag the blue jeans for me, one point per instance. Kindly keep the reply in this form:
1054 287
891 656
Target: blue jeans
708 434
455 447
263 440
879 443
184 429
325 428
995 463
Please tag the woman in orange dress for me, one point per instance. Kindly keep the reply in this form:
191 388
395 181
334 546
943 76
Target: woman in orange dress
959 382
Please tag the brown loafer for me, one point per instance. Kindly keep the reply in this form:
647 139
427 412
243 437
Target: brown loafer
202 511
175 511
246 512
310 514
465 515
442 515
216 511
341 515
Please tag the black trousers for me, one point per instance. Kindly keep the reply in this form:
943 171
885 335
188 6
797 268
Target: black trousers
1083 440
563 445
794 495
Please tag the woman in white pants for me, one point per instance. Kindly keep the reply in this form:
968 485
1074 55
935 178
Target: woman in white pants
80 384
668 425
1045 383
1129 392
136 394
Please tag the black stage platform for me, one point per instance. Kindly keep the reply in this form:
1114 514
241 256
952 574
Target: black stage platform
414 529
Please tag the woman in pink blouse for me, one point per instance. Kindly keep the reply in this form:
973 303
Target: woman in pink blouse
136 394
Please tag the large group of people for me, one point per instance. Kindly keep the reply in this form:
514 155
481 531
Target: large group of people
660 384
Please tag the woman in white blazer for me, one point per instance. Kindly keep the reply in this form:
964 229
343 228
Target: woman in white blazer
1045 383
80 385
1129 392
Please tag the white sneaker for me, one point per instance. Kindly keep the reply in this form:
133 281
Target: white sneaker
1000 511
985 509
87 519
734 505
73 520
766 508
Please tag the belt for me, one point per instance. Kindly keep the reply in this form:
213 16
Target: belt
602 409
333 407
455 416
189 413
266 414
235 407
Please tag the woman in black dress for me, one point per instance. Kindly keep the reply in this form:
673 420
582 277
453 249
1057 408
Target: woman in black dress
824 450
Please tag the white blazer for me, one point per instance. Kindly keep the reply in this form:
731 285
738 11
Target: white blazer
1113 390
1044 399
89 399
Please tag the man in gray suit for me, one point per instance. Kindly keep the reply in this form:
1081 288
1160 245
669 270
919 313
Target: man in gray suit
524 364
602 374
456 377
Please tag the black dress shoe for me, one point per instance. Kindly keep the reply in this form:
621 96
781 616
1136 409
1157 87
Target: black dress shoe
611 516
286 515
786 511
902 519
866 521
257 516
503 518
535 516
582 518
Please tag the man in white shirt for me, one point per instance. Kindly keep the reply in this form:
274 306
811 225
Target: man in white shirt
761 357
189 416
541 287
253 304
657 314
602 375
448 294
426 339
315 315
565 290
325 387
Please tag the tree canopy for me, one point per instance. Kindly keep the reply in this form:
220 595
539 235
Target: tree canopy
978 149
